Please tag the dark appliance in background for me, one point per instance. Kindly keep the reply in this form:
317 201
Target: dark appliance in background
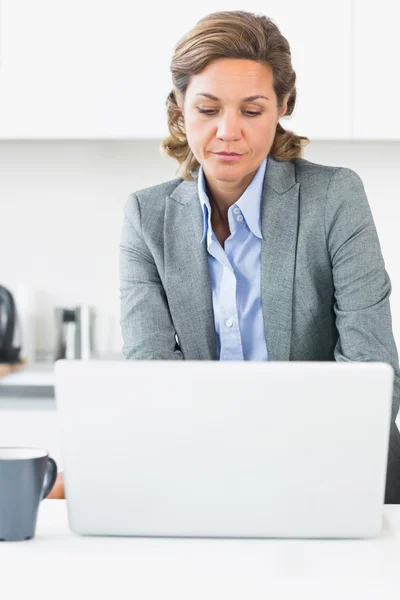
75 332
10 332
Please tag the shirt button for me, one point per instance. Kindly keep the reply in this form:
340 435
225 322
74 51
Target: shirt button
239 218
236 210
228 323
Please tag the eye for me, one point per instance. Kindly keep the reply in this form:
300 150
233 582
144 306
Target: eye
249 113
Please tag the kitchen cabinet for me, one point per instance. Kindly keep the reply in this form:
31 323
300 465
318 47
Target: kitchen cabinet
81 70
376 67
100 70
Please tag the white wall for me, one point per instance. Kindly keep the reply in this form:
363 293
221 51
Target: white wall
61 214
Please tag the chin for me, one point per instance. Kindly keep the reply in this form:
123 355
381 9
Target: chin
218 176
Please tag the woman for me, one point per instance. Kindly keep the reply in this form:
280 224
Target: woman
258 256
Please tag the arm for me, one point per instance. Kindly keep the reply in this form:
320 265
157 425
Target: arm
58 491
147 328
362 291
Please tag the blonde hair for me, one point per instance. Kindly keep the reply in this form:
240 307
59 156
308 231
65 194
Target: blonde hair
230 34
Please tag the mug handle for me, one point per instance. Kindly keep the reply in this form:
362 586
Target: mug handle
49 478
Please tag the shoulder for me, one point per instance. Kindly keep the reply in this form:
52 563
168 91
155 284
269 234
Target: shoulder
150 201
324 178
340 190
155 193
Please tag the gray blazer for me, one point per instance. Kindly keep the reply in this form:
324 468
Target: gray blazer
324 288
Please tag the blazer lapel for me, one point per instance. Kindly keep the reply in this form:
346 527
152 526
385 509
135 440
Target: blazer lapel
186 263
186 272
279 222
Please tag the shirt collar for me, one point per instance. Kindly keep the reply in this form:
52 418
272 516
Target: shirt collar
249 202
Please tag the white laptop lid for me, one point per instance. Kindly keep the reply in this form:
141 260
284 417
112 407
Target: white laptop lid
224 449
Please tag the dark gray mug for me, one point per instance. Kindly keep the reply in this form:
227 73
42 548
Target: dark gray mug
27 476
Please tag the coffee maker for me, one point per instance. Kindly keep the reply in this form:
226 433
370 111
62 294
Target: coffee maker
74 332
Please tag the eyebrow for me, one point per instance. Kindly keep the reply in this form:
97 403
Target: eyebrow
248 99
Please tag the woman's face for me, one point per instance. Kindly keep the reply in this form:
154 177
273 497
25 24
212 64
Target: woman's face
235 123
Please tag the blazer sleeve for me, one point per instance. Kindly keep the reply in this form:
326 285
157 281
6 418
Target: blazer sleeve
146 323
362 288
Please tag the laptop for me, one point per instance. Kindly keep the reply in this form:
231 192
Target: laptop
224 449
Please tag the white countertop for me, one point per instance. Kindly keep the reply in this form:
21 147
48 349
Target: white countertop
36 374
42 373
59 564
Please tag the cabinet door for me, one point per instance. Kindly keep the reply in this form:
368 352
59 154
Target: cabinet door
82 70
87 70
376 72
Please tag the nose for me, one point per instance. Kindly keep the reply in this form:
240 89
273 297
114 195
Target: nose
229 127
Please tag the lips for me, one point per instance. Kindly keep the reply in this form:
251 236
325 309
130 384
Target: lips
228 153
225 157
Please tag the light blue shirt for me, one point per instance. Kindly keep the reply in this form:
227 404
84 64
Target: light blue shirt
235 273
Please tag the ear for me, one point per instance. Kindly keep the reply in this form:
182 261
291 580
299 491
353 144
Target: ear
284 105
